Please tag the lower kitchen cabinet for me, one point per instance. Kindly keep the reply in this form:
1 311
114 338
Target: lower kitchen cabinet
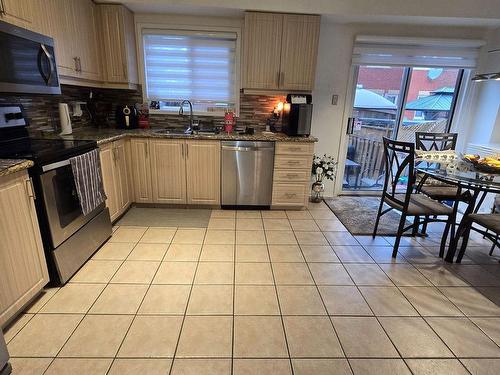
23 268
169 170
140 167
203 172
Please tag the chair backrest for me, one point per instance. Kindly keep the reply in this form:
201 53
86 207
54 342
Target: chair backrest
399 160
435 141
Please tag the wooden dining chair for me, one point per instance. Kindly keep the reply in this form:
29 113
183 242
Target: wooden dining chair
491 225
399 159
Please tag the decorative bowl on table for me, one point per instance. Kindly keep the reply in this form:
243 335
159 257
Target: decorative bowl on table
488 164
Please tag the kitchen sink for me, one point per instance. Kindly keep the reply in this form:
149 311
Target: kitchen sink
172 130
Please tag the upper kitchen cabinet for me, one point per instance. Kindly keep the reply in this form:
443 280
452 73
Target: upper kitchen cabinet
118 41
17 12
280 51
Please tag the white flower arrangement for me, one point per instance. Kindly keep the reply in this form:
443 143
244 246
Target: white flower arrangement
324 167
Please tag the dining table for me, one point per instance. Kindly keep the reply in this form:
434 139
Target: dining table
472 182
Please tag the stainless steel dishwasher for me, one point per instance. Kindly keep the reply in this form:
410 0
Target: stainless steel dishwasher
247 173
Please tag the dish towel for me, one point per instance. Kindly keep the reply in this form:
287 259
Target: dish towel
88 180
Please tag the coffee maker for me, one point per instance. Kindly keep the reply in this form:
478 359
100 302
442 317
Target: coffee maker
297 115
127 117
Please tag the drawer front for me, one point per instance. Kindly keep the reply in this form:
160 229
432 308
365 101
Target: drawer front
291 175
292 162
294 148
289 194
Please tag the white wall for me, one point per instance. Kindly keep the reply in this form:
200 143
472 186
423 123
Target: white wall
333 73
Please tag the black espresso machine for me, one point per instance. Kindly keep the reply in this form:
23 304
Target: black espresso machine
127 117
297 115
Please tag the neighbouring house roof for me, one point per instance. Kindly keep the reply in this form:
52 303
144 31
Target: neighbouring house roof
369 100
438 100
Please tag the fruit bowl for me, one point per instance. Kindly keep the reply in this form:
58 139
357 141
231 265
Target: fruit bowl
488 164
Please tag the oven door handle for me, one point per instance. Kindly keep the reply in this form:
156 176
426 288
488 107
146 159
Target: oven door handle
59 164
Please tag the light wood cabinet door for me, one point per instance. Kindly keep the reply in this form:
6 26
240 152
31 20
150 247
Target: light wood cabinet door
169 170
203 172
262 48
119 148
17 12
299 49
108 156
23 268
141 170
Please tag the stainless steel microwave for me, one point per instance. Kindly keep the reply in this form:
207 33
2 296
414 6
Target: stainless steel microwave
27 61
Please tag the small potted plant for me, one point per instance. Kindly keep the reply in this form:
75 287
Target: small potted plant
322 167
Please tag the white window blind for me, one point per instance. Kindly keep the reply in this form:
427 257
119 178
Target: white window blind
194 65
423 52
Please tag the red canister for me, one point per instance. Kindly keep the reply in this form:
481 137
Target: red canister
228 122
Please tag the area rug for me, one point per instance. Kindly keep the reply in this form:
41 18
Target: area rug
358 215
166 217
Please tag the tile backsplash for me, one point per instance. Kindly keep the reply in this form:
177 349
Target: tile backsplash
42 109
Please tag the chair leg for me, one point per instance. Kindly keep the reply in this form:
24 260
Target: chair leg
401 226
493 246
416 224
378 217
445 235
424 225
465 240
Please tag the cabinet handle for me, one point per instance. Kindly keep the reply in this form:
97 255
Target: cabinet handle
146 150
114 155
293 162
2 7
182 150
79 65
187 151
75 59
292 175
290 195
30 189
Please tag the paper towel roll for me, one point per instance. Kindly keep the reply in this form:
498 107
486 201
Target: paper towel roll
65 119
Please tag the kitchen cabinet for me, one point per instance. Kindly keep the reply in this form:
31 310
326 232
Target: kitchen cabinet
280 51
23 268
203 172
115 178
118 42
169 170
17 12
140 167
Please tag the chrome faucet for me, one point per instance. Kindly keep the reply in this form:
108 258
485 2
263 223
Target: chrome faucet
181 112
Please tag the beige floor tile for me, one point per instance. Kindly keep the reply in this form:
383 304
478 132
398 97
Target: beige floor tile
183 253
340 238
418 255
405 275
304 225
436 367
114 251
223 214
464 338
311 238
383 254
292 274
259 337
352 254
414 338
201 366
344 300
285 253
216 223
215 273
249 224
148 251
119 299
330 225
140 366
250 237
280 237
206 336
429 301
330 274
44 335
248 214
482 366
387 301
277 224
255 300
175 273
151 337
262 366
29 366
379 367
39 301
470 301
368 274
220 237
73 298
490 326
321 367
273 214
13 328
96 271
311 337
322 214
363 337
135 272
319 253
299 215
79 366
158 235
165 299
252 253
211 300
217 253
189 236
440 276
97 336
253 273
128 234
300 300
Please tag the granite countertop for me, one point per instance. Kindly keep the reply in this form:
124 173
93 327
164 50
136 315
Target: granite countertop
9 166
103 136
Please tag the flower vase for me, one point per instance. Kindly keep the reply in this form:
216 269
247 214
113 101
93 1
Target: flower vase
317 191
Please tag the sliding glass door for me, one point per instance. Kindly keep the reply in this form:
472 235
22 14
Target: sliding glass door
394 102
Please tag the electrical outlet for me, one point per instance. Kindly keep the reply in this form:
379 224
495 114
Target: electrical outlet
335 99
